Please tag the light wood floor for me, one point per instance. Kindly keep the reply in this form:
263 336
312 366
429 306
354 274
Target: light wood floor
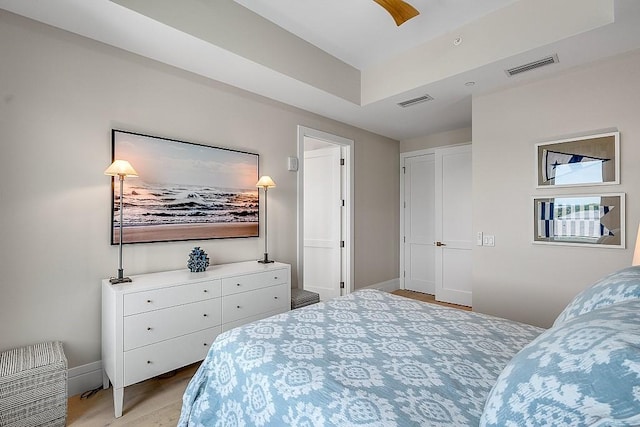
157 402
427 298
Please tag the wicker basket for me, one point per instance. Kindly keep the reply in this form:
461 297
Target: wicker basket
301 298
33 386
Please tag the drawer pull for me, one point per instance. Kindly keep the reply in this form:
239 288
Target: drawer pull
275 277
148 301
238 306
148 362
275 297
205 291
205 315
148 328
237 284
205 344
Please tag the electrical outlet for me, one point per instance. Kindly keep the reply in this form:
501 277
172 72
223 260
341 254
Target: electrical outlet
479 239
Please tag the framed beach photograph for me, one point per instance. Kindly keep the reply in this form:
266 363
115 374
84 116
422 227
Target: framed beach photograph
184 191
582 220
586 160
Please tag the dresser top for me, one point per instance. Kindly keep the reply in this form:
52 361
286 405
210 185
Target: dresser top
140 282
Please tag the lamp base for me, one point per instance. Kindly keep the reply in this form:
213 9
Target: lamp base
120 278
266 259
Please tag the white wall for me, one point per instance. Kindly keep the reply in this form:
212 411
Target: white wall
60 96
516 279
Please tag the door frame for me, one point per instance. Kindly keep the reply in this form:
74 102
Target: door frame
347 146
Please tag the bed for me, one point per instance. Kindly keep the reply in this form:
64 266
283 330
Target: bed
377 359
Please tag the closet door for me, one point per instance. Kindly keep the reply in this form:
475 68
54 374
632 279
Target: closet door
453 225
419 223
436 223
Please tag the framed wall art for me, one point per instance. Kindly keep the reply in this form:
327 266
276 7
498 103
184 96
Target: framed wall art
582 161
184 191
580 220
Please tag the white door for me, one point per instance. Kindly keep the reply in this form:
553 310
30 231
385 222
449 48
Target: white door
322 221
453 225
419 224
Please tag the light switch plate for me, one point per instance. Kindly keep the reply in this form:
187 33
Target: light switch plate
489 240
292 164
479 238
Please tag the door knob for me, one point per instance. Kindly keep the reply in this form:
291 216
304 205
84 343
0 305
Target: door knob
440 244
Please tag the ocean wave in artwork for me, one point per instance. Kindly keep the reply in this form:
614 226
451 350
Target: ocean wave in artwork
149 204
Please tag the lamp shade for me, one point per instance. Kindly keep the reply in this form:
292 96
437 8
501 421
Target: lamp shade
265 182
121 168
636 253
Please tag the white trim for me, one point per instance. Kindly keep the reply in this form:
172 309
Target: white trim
431 150
348 145
83 378
388 286
416 153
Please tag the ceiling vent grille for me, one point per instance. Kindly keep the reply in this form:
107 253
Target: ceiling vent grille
414 101
553 59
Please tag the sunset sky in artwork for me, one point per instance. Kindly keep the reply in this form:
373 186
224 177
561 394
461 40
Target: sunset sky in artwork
160 161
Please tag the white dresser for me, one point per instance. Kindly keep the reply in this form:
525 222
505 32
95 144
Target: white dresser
163 321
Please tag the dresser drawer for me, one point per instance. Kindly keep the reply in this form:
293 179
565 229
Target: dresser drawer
159 325
249 282
152 360
140 302
246 304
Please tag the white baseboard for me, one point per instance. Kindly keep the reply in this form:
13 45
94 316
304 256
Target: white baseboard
388 286
83 378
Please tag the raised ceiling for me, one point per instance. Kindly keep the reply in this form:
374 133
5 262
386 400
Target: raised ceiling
347 60
361 33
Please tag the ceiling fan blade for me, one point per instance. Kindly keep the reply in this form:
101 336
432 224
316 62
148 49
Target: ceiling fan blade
399 10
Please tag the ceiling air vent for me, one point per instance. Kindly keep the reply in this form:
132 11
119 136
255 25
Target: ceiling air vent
532 65
414 101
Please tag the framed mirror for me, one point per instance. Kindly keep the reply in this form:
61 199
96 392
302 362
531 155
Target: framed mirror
582 161
581 220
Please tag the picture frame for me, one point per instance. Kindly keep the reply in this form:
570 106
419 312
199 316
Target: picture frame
596 220
582 161
184 191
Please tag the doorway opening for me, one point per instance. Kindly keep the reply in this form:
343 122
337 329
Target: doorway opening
325 213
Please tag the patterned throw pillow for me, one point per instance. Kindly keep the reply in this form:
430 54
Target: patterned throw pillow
616 287
583 372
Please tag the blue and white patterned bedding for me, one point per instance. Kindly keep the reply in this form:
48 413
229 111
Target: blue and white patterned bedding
366 359
584 372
